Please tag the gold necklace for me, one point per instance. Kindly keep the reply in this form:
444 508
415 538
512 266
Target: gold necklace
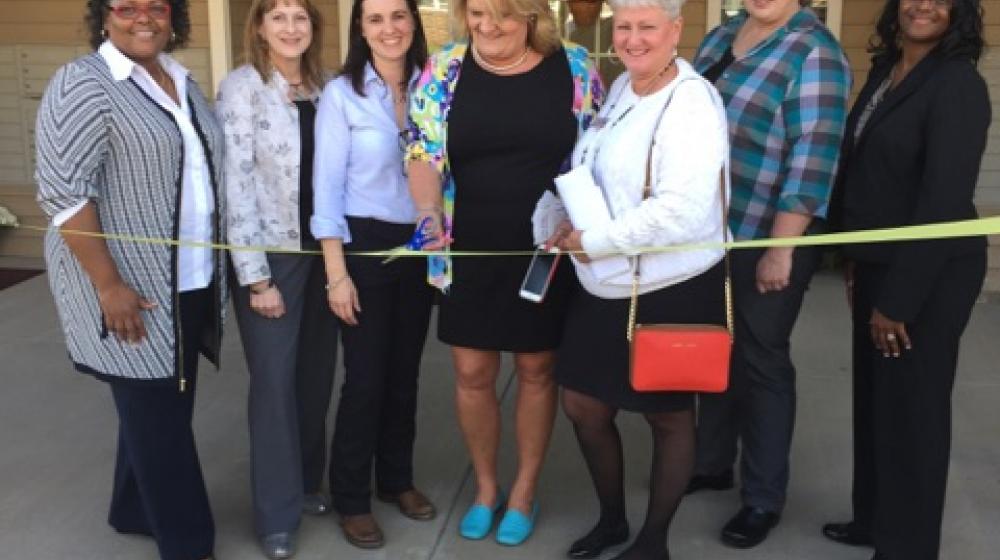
499 69
656 78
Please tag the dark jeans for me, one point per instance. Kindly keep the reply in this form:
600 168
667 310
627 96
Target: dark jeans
759 407
376 416
902 412
158 489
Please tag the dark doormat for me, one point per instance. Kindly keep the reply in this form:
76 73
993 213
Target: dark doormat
11 276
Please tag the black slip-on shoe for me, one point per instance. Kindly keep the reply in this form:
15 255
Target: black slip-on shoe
749 527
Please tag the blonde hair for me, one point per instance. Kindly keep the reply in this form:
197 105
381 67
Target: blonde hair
543 35
255 47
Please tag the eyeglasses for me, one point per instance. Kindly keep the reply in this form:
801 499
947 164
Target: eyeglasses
942 4
131 11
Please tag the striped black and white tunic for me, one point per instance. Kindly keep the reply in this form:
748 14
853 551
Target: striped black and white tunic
107 141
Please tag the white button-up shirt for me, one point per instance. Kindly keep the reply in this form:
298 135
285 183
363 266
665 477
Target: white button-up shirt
197 200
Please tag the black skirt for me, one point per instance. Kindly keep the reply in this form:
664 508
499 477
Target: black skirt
483 310
594 354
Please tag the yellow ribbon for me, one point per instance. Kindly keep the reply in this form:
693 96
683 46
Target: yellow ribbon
945 230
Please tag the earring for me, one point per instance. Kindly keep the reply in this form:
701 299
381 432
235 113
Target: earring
173 36
104 33
613 56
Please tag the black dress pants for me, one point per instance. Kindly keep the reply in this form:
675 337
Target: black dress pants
158 489
378 402
758 409
316 361
902 411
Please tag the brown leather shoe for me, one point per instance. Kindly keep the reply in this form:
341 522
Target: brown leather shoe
362 531
412 504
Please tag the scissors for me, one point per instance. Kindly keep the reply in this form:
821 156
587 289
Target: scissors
421 236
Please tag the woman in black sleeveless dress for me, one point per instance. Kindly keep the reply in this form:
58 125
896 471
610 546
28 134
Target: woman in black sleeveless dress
494 141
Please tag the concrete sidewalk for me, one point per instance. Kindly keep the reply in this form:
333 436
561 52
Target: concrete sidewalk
57 443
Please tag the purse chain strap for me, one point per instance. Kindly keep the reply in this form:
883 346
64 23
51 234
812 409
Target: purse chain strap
647 191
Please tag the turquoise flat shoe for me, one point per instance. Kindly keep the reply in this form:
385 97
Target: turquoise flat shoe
515 527
478 521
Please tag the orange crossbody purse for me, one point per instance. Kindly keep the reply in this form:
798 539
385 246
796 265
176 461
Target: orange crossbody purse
679 357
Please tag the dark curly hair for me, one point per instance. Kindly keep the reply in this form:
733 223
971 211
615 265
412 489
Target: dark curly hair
180 22
962 39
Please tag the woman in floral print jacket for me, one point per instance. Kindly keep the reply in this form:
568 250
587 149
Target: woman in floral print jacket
267 108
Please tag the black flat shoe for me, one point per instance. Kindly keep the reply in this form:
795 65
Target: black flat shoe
749 527
721 481
850 533
593 543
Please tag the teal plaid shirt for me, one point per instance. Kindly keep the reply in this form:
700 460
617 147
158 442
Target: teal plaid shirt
787 103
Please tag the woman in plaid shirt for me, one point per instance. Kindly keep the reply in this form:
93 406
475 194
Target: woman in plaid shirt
785 82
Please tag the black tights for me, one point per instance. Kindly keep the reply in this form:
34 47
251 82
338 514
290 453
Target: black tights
673 462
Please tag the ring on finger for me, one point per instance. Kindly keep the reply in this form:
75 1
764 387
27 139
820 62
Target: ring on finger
890 337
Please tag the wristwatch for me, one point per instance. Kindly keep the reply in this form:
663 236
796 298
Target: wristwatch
258 291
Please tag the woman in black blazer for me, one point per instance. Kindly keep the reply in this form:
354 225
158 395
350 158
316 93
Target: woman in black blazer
911 155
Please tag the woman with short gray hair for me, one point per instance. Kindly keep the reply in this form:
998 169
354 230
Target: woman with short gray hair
676 199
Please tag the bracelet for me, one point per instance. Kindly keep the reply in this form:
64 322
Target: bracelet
259 291
336 282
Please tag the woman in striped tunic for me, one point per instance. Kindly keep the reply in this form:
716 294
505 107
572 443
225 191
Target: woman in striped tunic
128 146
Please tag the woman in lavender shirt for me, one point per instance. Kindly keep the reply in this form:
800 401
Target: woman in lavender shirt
362 203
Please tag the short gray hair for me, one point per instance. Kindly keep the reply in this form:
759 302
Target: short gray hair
671 7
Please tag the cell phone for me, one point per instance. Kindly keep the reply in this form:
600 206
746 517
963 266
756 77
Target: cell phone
540 273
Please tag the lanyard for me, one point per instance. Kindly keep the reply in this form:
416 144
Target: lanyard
601 124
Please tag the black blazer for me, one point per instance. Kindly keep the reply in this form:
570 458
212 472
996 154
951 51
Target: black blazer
916 162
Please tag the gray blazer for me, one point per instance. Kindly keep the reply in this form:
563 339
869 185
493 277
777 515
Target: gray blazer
107 141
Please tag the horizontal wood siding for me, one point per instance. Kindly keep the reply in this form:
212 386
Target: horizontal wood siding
36 38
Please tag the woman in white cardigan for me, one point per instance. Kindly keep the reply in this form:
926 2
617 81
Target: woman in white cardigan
268 108
661 99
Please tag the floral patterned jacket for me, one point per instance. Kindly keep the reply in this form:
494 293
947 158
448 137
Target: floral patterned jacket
261 127
430 103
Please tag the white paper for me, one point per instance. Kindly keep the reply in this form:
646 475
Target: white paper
583 199
587 209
